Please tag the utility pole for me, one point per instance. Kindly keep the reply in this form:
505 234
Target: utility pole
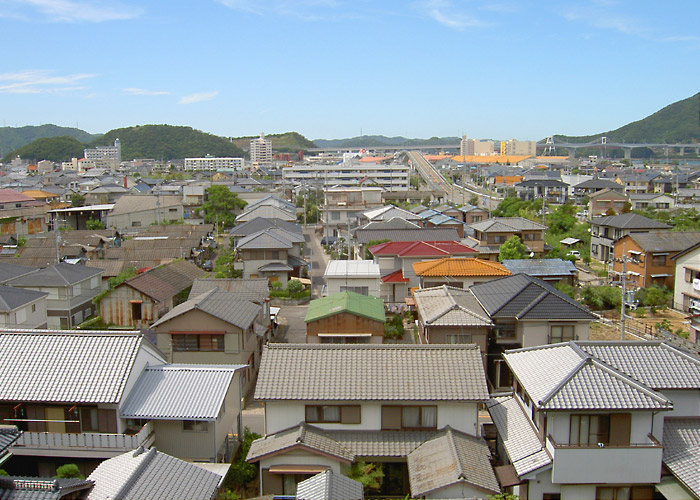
305 210
623 282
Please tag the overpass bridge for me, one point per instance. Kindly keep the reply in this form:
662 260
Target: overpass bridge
550 145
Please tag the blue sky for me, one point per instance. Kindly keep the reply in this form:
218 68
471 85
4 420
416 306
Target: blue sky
338 68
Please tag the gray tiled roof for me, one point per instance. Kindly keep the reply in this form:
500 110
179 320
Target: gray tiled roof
524 448
220 304
180 392
599 184
151 474
629 221
128 204
507 225
267 212
541 267
524 297
317 372
252 289
329 485
41 488
42 366
381 443
260 223
8 435
267 238
58 275
682 451
302 435
453 457
12 298
419 234
448 306
393 223
10 271
565 377
666 241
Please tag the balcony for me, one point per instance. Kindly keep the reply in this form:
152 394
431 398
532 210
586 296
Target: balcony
87 445
636 463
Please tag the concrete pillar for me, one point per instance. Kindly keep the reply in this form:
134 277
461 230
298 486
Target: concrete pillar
682 151
628 153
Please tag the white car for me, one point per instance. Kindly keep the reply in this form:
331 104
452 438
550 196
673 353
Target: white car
575 253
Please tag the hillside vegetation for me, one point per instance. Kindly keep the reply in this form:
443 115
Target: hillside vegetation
49 148
678 122
381 140
12 138
288 142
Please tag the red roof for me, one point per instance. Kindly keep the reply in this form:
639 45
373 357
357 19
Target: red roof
12 195
421 248
395 277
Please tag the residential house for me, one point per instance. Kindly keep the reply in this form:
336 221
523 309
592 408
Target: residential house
386 213
267 211
637 181
344 207
345 318
76 218
328 485
9 271
671 183
152 474
273 253
396 259
68 391
143 299
105 193
686 289
552 190
21 215
434 219
592 420
589 187
327 406
256 290
605 231
215 328
22 308
260 224
606 201
490 234
457 272
133 211
650 256
449 315
359 276
398 230
39 488
70 289
551 271
8 435
654 201
472 214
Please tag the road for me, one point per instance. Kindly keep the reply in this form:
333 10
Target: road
454 193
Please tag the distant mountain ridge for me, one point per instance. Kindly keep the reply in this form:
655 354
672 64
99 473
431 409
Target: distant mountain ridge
12 138
676 123
287 142
381 140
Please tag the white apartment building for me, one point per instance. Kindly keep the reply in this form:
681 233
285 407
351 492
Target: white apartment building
105 152
260 150
391 177
518 148
212 163
471 147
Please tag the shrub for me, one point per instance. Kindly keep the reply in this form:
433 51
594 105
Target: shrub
654 296
294 286
601 297
241 472
393 329
69 471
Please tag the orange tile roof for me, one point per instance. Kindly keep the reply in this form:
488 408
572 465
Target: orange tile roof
374 159
460 267
490 158
38 194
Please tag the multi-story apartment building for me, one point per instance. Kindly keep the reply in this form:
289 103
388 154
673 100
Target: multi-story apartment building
260 151
214 163
391 177
513 147
599 420
686 289
606 230
105 156
344 207
475 147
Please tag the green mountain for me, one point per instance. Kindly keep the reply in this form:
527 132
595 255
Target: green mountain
49 148
288 142
377 141
678 122
12 138
167 142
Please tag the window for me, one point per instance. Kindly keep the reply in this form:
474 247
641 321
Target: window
197 342
561 333
506 331
135 223
172 210
624 493
275 254
136 310
409 417
33 307
458 338
89 420
499 239
589 430
195 425
325 414
658 260
335 215
364 290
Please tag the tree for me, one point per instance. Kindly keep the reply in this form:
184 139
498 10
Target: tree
220 205
223 267
474 200
94 224
370 475
610 212
562 220
241 472
627 207
513 248
77 200
654 296
68 471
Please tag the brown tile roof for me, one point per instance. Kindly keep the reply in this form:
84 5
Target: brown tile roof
167 280
459 267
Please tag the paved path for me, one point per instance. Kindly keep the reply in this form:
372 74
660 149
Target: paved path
314 252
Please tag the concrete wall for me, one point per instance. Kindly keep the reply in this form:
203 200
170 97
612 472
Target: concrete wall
25 317
334 284
459 490
172 439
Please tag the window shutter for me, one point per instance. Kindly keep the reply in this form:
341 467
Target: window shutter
350 415
620 425
391 417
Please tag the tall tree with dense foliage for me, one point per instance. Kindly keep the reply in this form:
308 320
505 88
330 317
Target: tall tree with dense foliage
220 206
513 248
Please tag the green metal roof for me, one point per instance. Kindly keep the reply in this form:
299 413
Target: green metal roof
351 302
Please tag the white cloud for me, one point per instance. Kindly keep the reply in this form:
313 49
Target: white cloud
40 81
198 97
305 10
135 91
445 13
74 11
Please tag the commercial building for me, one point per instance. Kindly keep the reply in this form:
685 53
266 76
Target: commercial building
213 163
260 150
392 176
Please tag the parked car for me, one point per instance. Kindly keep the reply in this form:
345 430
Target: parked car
575 253
329 240
208 265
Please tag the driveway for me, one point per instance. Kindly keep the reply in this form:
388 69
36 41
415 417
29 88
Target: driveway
292 328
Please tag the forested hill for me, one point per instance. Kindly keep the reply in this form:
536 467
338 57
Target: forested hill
12 138
676 123
288 142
